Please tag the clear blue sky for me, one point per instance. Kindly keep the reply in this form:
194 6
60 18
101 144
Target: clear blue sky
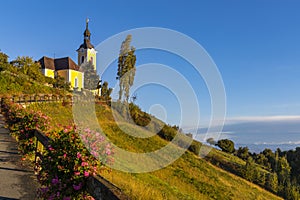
254 43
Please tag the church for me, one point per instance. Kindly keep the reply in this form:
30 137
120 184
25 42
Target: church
67 68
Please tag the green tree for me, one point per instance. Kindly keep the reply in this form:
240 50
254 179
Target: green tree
226 145
27 66
268 153
243 153
126 68
91 78
260 177
211 141
272 182
60 82
283 170
249 170
261 159
105 92
3 61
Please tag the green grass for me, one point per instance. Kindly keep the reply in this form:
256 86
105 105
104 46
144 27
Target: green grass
189 177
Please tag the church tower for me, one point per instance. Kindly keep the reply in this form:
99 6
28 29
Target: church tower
86 51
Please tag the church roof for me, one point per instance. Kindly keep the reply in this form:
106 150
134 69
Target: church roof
86 45
58 63
65 63
47 63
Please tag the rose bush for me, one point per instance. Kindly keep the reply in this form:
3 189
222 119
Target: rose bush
68 163
70 159
22 124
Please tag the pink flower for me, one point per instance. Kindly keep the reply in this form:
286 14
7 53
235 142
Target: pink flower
84 164
67 198
108 152
77 173
87 130
77 187
65 155
86 174
89 198
101 138
78 155
55 181
94 153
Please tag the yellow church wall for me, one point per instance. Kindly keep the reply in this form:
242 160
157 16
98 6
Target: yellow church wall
73 75
48 72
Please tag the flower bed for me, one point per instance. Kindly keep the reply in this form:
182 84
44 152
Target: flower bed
67 163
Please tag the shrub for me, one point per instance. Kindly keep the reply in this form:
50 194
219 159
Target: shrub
195 147
23 123
167 133
68 163
226 145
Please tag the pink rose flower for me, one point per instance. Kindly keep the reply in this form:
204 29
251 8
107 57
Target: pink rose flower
108 152
77 173
50 148
86 174
78 155
94 153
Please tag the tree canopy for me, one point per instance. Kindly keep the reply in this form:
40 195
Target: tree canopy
226 145
91 78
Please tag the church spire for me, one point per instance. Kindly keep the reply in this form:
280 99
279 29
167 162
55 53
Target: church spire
87 33
87 37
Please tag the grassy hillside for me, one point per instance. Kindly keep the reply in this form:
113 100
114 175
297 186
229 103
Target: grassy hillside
189 177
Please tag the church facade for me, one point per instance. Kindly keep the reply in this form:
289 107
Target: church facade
67 68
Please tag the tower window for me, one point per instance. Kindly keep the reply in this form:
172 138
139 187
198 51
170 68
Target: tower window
82 59
92 59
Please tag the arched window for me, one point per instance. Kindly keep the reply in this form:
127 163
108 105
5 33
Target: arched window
92 59
76 83
82 59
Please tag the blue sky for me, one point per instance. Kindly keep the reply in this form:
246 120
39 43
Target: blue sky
254 43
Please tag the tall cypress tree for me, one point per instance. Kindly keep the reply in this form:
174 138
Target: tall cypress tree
126 68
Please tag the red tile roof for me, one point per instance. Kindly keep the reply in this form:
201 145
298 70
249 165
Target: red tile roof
58 63
47 63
